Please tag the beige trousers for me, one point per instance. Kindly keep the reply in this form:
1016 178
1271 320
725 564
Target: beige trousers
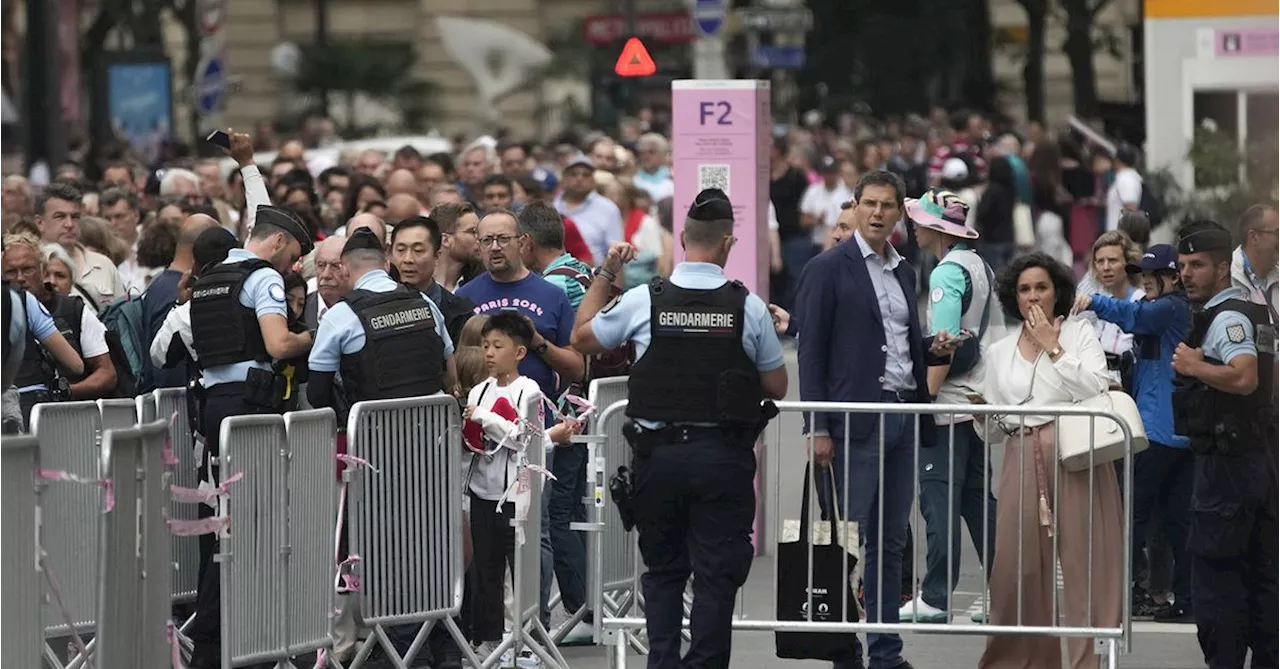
1035 576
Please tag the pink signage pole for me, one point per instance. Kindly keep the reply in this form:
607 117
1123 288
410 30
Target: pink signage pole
720 138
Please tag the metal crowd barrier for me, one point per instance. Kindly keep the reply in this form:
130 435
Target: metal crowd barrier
405 519
186 550
118 413
312 439
134 605
613 564
1109 637
20 579
274 558
68 434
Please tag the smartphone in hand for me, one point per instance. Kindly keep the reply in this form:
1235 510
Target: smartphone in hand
219 138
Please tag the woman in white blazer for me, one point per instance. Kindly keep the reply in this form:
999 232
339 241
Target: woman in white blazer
1050 362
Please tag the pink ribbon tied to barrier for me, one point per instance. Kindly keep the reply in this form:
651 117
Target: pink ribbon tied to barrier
193 528
175 649
197 495
108 488
170 458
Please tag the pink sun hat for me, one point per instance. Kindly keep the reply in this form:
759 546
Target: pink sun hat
943 211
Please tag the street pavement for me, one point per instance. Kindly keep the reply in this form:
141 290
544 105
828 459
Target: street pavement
1155 645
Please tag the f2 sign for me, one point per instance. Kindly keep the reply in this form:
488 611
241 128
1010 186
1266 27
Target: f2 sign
718 110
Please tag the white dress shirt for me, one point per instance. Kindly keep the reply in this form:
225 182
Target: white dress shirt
1078 374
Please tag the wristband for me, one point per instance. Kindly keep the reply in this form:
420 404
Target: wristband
606 273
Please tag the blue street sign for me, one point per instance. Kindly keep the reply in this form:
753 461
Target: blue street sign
780 57
708 15
211 87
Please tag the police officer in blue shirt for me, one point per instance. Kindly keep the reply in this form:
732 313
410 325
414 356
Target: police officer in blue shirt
239 327
385 339
707 358
1161 474
1222 403
28 323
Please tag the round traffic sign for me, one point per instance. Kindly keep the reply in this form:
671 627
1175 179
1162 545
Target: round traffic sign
709 15
211 14
211 87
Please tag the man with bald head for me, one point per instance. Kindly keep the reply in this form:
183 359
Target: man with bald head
367 220
402 181
402 206
162 293
331 281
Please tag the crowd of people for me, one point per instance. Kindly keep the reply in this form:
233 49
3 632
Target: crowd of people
1030 253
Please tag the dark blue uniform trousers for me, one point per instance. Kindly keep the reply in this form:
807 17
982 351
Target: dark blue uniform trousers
694 500
1233 548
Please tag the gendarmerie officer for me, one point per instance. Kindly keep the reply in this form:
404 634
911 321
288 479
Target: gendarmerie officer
707 358
386 341
238 328
27 324
1222 402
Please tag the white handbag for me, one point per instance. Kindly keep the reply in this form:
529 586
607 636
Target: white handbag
1107 438
1077 435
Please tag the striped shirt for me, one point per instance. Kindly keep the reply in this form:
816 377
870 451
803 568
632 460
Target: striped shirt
572 284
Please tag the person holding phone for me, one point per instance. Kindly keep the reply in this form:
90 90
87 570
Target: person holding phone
1162 474
962 318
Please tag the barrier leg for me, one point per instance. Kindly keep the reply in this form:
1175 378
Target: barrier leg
620 649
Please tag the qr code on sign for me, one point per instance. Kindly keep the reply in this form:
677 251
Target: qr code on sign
714 176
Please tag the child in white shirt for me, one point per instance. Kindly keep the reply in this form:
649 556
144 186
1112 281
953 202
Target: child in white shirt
499 411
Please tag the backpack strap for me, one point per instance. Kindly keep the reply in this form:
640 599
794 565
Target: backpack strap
565 270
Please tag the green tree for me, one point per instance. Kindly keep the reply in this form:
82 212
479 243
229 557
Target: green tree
381 71
1227 180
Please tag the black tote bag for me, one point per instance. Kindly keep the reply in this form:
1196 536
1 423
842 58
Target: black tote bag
830 580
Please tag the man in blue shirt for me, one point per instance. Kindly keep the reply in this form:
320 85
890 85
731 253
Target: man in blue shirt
1162 473
861 341
701 373
239 327
597 217
162 294
1222 403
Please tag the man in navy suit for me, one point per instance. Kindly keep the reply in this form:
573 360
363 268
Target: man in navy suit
861 342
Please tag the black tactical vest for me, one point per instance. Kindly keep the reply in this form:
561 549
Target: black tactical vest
1220 422
403 356
223 331
695 369
37 367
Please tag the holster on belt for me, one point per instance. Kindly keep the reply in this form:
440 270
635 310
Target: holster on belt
264 389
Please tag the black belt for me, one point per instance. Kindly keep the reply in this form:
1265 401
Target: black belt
899 396
233 388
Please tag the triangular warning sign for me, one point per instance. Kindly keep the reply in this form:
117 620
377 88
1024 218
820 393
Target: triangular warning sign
634 61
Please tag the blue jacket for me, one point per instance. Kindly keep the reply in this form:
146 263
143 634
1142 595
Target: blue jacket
1157 326
842 344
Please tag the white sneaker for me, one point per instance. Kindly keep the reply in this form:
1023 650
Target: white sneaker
527 660
918 611
484 650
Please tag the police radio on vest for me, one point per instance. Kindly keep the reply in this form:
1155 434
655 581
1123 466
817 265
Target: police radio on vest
697 319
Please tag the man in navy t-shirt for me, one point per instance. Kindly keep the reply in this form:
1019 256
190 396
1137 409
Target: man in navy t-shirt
508 284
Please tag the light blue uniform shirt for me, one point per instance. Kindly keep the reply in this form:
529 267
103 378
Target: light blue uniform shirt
893 314
628 318
1231 333
948 283
39 323
340 332
263 291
